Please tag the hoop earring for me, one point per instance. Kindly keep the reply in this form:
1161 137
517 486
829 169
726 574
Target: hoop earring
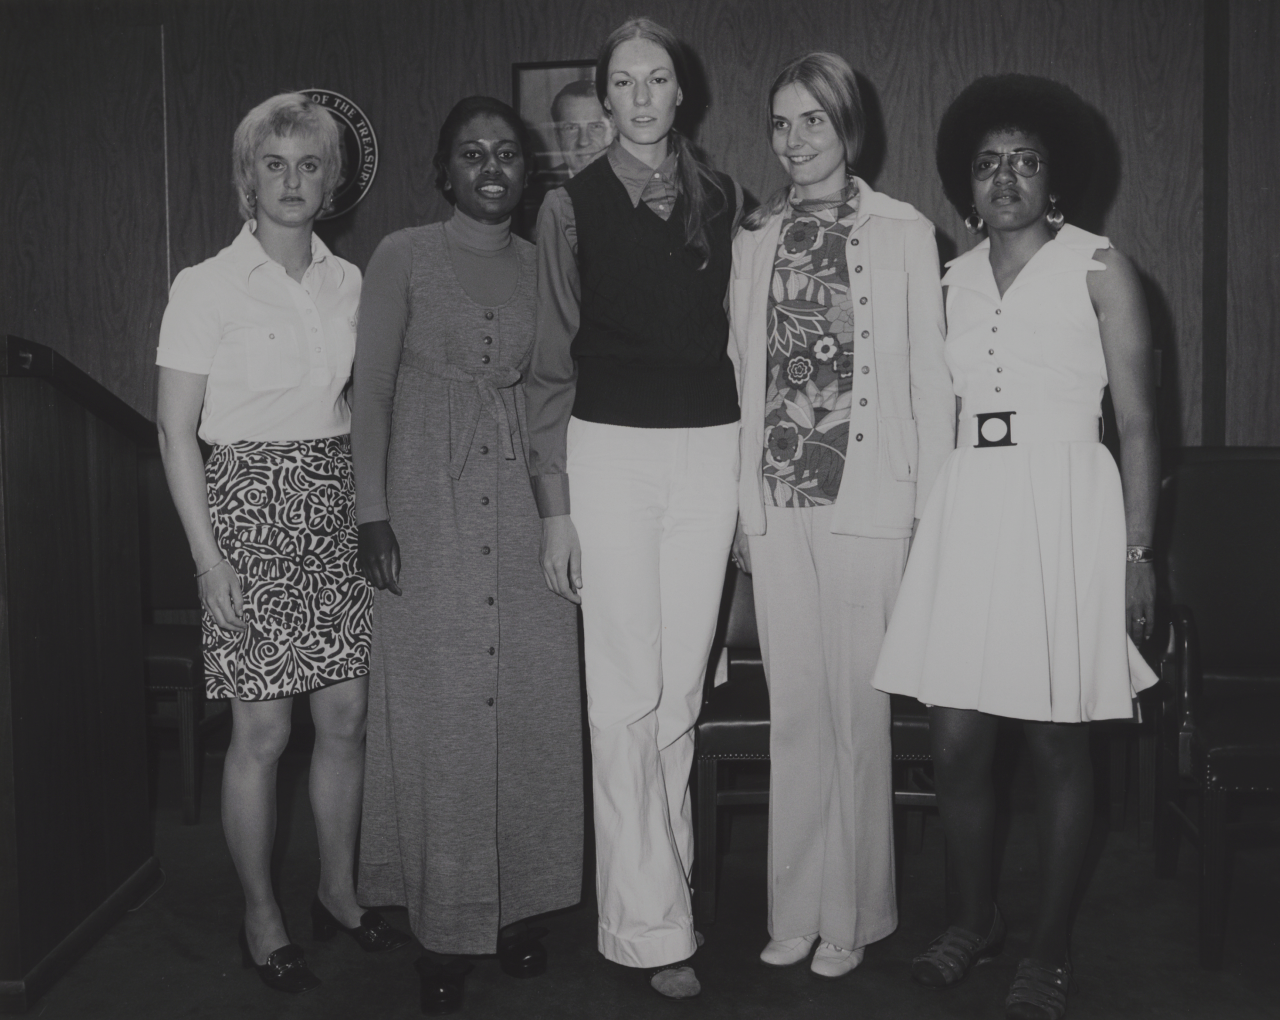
973 222
251 199
1054 217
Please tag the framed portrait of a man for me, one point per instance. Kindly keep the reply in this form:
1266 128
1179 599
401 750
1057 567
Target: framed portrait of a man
569 128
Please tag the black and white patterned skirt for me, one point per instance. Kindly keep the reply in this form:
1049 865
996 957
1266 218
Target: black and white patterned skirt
284 516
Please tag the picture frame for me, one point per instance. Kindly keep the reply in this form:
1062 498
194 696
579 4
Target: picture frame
567 127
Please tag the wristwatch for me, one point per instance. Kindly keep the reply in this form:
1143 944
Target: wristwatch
1140 554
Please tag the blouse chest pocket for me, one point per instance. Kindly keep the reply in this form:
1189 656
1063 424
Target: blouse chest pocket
272 358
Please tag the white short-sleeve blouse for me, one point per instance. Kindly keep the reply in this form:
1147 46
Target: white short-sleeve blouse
277 353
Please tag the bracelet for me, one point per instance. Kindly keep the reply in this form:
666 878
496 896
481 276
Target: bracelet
207 569
1140 554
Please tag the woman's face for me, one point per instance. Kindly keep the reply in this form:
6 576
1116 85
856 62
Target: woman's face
643 93
806 143
486 168
288 178
1006 200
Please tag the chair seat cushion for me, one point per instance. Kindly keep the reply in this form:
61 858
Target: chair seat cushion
172 657
735 716
1240 742
909 729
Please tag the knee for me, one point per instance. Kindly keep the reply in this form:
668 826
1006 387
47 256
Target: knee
263 741
345 725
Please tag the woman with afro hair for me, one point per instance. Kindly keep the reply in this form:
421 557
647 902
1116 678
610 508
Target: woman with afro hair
1020 599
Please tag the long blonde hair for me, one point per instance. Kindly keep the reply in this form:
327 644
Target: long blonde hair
831 81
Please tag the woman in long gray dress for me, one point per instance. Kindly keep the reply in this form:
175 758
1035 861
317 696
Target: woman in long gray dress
473 789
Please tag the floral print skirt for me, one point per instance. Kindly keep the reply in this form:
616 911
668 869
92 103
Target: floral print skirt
284 516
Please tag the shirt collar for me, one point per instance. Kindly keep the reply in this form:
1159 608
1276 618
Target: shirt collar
635 175
1070 251
248 253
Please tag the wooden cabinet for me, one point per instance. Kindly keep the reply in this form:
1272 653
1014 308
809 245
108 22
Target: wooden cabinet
75 825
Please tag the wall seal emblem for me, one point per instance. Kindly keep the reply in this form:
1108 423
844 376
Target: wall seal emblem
359 147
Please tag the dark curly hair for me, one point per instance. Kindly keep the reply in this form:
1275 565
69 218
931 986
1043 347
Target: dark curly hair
457 119
1021 102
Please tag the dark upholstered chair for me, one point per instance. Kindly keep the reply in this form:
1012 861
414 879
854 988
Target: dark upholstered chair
171 628
1219 729
734 727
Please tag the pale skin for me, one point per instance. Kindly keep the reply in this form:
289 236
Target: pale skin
288 179
642 98
1014 208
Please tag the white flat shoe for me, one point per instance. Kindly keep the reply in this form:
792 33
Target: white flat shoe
785 952
830 961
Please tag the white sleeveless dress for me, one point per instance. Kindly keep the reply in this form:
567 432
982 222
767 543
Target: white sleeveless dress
1013 601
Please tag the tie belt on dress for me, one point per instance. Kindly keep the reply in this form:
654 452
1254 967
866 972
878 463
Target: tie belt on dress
483 385
1018 428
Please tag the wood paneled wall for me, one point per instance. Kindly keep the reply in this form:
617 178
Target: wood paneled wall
405 62
1253 262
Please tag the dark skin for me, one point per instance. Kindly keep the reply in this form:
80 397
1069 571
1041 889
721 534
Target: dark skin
485 178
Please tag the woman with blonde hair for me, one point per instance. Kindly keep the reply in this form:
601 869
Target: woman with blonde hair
255 354
847 416
632 409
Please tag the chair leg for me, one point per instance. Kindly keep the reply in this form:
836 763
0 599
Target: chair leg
704 903
187 745
1213 876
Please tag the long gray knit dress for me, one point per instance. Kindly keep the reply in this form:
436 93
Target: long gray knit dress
473 783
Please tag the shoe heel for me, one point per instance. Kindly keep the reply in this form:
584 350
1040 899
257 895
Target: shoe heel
324 925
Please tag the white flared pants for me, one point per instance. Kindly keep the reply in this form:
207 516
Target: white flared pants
822 605
655 511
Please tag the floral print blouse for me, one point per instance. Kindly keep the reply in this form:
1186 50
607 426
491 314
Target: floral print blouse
809 373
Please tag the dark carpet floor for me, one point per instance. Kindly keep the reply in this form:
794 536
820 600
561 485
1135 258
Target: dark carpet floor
175 956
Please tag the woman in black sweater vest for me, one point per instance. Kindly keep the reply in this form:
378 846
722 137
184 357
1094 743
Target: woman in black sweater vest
632 395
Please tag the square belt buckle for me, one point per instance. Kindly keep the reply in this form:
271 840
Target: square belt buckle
995 429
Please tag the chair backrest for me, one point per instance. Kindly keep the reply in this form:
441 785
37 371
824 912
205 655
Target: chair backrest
740 627
1220 518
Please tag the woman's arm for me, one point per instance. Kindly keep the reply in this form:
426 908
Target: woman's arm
549 391
181 395
1126 345
384 313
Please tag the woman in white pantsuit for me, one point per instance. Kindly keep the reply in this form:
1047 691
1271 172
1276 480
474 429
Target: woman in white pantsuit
847 415
633 411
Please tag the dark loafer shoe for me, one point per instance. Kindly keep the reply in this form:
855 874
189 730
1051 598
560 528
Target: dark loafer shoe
441 985
286 969
373 934
523 955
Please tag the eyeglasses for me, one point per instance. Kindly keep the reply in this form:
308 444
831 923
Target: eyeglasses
1023 162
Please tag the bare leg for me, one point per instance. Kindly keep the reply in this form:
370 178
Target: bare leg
1064 822
337 784
259 733
964 743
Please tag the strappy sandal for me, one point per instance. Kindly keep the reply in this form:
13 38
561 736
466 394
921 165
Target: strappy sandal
955 952
1038 992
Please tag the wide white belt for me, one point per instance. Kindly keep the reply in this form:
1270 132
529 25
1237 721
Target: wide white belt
1019 428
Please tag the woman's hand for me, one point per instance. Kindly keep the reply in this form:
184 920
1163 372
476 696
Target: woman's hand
1140 600
562 557
740 552
378 555
221 596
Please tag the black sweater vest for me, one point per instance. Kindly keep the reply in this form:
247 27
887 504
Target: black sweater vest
651 347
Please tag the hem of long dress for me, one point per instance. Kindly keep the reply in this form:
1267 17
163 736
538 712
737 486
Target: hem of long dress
1081 717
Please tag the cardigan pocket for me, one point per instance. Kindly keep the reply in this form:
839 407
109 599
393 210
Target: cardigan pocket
902 445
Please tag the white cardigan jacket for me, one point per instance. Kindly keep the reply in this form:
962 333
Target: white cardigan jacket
902 422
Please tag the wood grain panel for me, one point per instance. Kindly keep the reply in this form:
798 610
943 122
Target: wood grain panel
1253 260
1138 62
82 209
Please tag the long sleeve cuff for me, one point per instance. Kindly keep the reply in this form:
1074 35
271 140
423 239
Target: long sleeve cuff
551 493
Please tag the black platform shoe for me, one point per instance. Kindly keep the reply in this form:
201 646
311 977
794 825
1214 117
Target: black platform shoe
286 969
373 934
522 955
441 985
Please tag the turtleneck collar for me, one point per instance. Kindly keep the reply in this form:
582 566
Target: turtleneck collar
481 238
